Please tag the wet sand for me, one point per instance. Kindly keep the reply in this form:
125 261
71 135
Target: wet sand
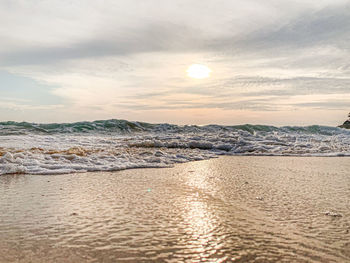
230 209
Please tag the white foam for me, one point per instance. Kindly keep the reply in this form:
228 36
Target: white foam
68 153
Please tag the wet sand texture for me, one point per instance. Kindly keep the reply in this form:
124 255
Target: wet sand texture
255 209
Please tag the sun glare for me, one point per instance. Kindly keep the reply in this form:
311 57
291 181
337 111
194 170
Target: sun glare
198 71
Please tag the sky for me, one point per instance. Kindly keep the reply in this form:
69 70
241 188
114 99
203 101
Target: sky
274 62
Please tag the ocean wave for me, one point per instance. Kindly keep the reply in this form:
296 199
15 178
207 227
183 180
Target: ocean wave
124 126
118 144
18 128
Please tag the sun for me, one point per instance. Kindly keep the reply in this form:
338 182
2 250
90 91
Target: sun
198 71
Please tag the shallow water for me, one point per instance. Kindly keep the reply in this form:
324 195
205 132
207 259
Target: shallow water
113 145
241 208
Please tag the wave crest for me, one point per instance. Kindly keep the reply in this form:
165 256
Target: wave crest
118 144
124 126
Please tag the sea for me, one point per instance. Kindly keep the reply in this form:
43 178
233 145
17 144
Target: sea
112 145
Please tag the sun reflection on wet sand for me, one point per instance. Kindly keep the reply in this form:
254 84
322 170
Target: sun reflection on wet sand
200 225
200 221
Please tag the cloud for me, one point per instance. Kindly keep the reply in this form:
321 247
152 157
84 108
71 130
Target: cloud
176 33
328 26
131 56
151 38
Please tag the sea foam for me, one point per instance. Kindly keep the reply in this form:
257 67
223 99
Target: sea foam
117 144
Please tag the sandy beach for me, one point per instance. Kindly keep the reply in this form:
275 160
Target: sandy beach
229 209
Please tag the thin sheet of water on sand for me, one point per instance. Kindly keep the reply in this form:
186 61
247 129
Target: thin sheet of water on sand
244 208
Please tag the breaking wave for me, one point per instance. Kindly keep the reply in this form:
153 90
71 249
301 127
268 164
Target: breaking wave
110 145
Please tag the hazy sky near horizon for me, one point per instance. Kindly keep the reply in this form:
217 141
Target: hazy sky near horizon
273 62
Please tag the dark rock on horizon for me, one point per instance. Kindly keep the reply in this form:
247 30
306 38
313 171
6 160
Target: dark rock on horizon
345 125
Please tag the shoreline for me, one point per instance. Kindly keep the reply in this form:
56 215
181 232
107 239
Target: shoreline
179 163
